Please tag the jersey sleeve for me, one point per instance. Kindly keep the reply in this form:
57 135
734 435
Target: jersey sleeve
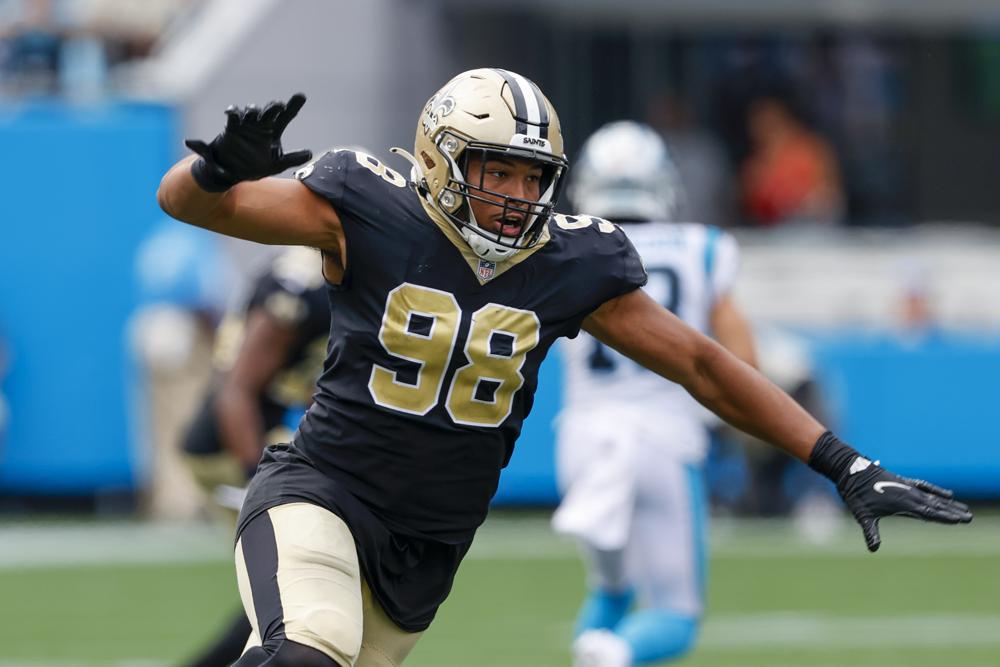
327 175
356 184
611 265
725 262
632 273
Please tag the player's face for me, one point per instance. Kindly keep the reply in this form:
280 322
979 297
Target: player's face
512 177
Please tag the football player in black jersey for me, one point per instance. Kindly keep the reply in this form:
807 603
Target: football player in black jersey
267 358
447 289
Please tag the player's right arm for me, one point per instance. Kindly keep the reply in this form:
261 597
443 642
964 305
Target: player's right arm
227 187
276 211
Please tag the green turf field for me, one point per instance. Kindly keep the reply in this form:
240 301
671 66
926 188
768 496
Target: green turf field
135 595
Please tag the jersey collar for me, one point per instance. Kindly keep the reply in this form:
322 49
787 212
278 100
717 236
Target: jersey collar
484 270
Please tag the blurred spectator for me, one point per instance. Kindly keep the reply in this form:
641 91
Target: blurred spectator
30 43
129 29
705 174
69 46
183 279
915 312
791 173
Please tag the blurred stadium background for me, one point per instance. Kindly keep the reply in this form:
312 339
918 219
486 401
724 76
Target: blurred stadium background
880 308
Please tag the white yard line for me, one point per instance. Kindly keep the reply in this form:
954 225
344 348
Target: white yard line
746 633
742 632
83 544
530 538
505 536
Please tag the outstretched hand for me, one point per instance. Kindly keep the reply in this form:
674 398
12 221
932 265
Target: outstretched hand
872 492
249 147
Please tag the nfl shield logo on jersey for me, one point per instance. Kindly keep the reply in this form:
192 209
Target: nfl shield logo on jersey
487 269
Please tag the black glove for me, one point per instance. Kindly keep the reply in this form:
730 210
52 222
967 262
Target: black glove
249 148
871 492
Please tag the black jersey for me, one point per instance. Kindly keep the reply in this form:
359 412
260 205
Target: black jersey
434 353
432 368
292 292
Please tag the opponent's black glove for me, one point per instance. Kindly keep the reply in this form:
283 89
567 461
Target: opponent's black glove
871 492
249 148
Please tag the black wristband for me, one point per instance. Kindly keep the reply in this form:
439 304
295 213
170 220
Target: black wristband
211 177
831 456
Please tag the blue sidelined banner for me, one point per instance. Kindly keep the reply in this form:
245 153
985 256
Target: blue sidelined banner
79 193
926 406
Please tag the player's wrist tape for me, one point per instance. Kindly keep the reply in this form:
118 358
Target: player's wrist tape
211 177
832 457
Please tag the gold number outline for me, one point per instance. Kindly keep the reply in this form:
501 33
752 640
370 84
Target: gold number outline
374 165
533 334
381 372
418 399
571 222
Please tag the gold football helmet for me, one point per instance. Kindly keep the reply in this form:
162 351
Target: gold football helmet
491 112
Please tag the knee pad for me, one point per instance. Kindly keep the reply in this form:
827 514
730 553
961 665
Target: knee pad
286 654
656 635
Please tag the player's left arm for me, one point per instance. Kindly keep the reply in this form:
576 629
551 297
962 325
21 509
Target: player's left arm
638 327
726 321
732 329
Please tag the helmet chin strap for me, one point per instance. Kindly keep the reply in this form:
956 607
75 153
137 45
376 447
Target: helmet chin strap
486 249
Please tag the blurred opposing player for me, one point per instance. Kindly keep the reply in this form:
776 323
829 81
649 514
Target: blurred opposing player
267 356
447 289
631 445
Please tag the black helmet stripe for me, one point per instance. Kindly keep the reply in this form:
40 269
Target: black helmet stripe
520 108
530 112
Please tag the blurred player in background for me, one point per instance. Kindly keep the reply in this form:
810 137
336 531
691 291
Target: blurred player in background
267 358
632 445
447 289
183 280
